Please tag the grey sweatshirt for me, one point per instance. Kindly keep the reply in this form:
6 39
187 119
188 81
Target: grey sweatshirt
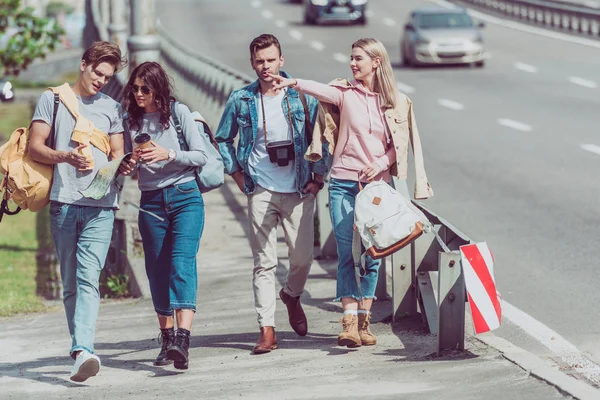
181 170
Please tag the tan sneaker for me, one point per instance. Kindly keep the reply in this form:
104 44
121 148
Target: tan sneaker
366 336
349 337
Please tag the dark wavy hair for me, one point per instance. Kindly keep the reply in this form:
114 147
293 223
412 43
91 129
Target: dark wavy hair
155 77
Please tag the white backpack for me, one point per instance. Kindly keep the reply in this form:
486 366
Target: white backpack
384 221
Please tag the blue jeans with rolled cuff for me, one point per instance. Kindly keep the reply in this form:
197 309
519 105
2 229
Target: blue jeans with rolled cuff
342 194
171 245
82 237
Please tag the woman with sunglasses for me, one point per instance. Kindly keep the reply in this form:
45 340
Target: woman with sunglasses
171 217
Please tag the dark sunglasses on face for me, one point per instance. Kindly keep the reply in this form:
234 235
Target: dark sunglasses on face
145 89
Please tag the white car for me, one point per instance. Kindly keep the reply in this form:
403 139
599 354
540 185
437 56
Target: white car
442 36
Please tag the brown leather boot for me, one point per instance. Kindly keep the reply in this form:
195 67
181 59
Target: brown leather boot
349 337
296 314
366 336
267 340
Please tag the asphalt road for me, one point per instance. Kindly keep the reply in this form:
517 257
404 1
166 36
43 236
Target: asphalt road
503 144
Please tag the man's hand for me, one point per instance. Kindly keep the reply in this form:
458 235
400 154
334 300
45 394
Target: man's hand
76 159
238 177
127 166
152 154
312 187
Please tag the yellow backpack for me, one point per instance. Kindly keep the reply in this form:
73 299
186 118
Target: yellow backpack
28 182
25 181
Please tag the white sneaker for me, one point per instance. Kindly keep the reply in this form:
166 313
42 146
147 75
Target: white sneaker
86 365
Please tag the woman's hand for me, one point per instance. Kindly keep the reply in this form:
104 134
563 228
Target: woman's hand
152 154
280 82
370 172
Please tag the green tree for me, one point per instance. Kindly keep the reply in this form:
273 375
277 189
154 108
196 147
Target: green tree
24 37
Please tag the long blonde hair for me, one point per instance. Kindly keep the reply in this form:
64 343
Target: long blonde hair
384 81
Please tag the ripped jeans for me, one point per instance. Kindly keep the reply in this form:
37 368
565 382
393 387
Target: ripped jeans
342 194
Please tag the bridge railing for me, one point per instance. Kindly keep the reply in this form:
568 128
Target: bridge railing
568 17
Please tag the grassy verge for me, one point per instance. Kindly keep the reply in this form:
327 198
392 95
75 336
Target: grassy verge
18 242
18 245
70 77
12 116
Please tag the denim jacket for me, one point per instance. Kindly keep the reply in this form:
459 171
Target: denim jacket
241 116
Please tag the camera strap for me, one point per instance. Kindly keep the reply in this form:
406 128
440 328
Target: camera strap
264 117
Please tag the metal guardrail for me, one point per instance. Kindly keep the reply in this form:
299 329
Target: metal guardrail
426 276
569 17
203 84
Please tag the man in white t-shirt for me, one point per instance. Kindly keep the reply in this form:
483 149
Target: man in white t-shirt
81 227
269 167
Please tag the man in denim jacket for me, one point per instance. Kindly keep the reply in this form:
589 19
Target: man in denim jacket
281 185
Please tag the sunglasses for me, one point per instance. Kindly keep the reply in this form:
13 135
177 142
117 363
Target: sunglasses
145 89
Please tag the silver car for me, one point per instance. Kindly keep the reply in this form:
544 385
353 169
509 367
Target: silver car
442 36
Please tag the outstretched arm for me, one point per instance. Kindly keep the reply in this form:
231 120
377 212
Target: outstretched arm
321 91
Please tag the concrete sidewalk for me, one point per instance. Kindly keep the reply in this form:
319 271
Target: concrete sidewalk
34 363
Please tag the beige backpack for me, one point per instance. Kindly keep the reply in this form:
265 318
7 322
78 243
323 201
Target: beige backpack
27 182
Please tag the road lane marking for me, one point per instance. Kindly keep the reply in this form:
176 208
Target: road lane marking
451 104
523 27
583 82
315 44
404 88
256 4
526 67
267 14
296 34
592 148
389 22
343 58
553 341
280 23
519 126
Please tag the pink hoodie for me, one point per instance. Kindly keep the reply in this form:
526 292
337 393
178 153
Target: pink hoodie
363 137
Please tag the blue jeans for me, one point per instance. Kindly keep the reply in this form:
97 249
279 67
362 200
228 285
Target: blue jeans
81 237
171 245
342 194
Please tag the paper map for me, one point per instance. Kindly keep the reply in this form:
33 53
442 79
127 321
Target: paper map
103 179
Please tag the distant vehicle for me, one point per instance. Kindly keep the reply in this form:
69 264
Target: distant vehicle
442 36
6 90
324 11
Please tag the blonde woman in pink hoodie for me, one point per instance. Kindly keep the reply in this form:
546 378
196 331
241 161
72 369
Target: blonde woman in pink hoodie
376 123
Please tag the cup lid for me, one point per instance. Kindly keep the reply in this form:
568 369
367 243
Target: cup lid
142 138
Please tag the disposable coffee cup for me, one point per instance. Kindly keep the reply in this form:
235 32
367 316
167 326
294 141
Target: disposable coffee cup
87 152
142 141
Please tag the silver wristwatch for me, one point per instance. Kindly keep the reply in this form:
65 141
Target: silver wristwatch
172 155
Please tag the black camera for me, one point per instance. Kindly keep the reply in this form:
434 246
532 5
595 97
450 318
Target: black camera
281 152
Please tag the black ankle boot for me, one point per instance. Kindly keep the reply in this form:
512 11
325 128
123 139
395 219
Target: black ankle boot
165 338
178 351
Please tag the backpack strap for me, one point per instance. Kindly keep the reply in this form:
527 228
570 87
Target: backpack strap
182 143
52 135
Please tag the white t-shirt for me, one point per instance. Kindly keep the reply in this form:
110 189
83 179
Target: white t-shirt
269 175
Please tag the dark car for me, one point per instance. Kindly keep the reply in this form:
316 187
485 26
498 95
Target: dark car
327 11
6 90
442 36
